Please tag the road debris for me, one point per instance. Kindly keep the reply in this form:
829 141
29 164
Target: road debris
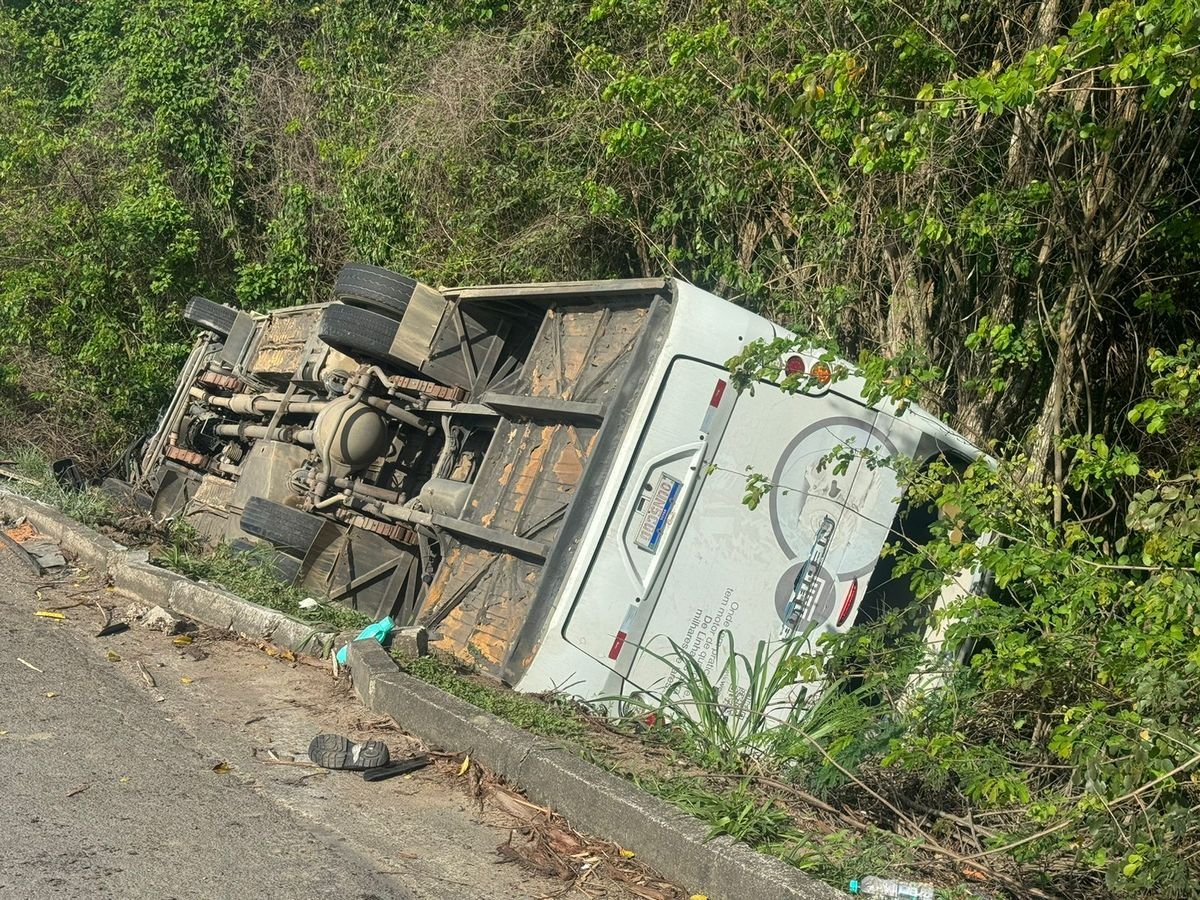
112 656
30 665
68 475
49 614
146 676
222 768
397 767
6 471
336 751
267 755
161 620
21 531
114 628
182 640
47 555
542 841
379 630
78 790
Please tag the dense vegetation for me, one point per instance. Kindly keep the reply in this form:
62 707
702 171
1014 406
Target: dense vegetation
996 202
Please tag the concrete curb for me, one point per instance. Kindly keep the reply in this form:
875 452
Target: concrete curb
132 574
592 799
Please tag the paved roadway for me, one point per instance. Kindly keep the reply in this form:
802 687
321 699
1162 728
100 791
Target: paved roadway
152 818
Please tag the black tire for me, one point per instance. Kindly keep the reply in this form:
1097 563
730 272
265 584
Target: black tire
213 316
291 530
359 332
371 287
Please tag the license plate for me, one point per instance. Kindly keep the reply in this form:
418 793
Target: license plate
658 513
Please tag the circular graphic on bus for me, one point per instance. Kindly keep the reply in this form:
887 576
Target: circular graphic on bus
806 491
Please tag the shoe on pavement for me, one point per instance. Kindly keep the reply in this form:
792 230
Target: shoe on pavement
333 751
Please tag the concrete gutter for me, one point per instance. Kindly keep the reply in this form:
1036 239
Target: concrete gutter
131 573
552 774
593 800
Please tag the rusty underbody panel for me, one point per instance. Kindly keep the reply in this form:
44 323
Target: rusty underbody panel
482 598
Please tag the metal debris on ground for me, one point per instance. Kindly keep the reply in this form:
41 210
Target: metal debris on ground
46 553
275 758
114 628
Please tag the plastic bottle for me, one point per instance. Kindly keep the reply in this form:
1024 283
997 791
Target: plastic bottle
887 889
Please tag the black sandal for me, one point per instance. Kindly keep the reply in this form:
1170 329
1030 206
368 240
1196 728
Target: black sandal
402 767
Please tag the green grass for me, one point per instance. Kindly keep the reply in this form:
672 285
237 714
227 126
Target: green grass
90 506
745 811
251 575
550 718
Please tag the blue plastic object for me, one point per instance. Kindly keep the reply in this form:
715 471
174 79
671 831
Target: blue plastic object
379 630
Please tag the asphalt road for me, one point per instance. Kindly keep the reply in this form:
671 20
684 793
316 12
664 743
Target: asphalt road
104 797
133 767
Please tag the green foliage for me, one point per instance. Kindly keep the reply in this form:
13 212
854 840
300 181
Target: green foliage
887 177
89 506
728 716
1175 390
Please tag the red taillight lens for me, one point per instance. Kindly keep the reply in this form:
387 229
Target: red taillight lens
848 603
794 365
822 373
